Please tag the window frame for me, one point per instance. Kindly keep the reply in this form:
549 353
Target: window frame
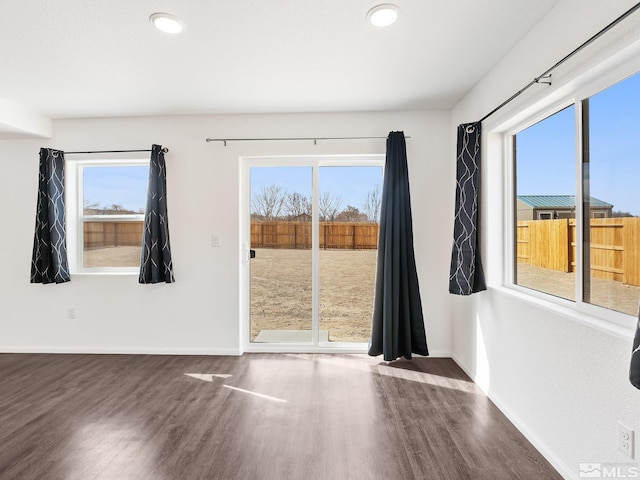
593 84
315 162
76 217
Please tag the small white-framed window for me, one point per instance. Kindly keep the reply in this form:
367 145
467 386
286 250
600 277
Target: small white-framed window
108 215
545 215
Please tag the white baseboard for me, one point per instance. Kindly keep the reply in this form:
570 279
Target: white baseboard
529 434
336 348
122 351
254 348
438 354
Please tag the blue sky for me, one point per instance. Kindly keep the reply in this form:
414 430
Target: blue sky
350 183
546 151
125 186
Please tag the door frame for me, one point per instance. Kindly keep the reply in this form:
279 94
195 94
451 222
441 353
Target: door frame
315 162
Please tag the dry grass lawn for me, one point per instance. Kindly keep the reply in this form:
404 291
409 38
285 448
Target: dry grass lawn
605 293
122 256
281 292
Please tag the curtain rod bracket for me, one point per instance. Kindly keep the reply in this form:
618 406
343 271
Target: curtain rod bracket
544 79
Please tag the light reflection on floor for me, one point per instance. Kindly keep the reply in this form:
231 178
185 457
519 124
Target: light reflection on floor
373 365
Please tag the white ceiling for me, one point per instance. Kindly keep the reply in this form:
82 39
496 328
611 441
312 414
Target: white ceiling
88 58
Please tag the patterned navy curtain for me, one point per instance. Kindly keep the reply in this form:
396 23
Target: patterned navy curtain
466 275
398 324
634 370
49 260
155 262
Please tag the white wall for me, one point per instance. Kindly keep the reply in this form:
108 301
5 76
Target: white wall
200 312
561 377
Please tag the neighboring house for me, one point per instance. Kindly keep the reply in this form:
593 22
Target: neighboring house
548 207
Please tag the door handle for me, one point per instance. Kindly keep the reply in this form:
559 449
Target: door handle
252 254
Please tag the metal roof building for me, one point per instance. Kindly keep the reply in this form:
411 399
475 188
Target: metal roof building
548 207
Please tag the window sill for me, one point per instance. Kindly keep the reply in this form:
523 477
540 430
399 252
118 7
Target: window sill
617 324
105 273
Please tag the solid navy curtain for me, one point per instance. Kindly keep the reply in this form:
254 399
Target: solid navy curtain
155 262
49 259
466 275
398 324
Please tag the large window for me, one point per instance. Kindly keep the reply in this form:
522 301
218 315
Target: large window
578 236
111 200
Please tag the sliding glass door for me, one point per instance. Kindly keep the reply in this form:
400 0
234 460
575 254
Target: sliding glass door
310 245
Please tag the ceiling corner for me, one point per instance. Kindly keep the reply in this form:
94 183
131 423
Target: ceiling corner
18 122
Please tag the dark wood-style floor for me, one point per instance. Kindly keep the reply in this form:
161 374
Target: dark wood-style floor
259 416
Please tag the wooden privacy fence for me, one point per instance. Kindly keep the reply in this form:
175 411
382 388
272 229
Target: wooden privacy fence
112 234
614 246
333 235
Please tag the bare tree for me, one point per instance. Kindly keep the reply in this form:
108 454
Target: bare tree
371 207
351 214
298 206
620 213
329 206
90 207
268 203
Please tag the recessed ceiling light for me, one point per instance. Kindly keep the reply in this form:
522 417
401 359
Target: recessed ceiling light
383 15
166 23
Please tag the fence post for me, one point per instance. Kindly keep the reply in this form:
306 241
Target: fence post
631 250
353 236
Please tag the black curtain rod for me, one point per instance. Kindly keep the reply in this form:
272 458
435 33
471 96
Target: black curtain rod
546 76
314 139
164 150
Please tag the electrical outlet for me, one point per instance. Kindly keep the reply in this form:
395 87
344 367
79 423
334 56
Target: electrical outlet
215 240
625 439
71 313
